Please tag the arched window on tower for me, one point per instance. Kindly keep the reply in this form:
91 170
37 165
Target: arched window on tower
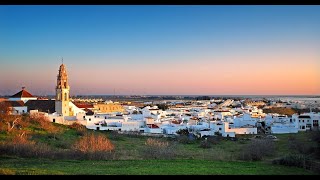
58 96
66 96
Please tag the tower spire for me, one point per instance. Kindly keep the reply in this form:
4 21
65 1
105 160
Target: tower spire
62 91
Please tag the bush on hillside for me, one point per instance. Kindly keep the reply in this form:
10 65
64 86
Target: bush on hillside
214 139
45 124
183 132
257 149
20 145
205 144
158 149
184 139
298 160
80 129
299 146
92 142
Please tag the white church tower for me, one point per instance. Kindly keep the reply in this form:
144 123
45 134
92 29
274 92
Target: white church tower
62 92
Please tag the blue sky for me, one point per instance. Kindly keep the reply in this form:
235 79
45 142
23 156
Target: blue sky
106 37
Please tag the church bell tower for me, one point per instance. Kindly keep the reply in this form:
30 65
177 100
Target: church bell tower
62 92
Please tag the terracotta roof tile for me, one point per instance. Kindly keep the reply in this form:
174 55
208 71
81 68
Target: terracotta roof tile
21 94
84 106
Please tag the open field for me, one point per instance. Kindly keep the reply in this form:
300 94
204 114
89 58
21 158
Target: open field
24 166
53 153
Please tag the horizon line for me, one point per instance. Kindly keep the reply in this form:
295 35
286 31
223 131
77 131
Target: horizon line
178 95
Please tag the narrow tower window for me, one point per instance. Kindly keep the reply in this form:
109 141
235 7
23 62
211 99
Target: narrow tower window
65 96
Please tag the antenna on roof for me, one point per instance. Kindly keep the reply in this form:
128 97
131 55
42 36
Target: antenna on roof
62 60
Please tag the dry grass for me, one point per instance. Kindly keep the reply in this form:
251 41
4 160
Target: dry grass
7 171
158 149
81 129
44 123
157 143
93 143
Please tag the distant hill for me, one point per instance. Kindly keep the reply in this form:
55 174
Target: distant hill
288 111
280 110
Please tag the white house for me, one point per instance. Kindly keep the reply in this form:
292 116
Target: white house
16 107
22 95
282 128
245 120
307 121
231 132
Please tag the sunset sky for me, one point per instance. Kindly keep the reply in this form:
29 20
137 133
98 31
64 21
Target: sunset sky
161 50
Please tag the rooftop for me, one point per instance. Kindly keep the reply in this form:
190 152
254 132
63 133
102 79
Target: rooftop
22 94
47 106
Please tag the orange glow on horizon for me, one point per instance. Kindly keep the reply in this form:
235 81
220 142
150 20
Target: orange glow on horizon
252 75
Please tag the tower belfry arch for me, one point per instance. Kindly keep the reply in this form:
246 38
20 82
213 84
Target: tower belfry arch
62 92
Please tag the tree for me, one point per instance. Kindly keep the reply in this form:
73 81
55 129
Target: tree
183 132
162 106
10 121
4 108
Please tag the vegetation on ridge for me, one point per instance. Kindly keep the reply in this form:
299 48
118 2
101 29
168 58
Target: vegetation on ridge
34 143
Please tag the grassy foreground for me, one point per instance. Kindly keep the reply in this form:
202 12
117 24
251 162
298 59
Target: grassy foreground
41 147
26 166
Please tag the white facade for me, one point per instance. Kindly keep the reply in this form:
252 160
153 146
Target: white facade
227 131
19 110
172 129
66 120
281 128
307 121
75 109
24 99
130 126
153 130
62 105
245 120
